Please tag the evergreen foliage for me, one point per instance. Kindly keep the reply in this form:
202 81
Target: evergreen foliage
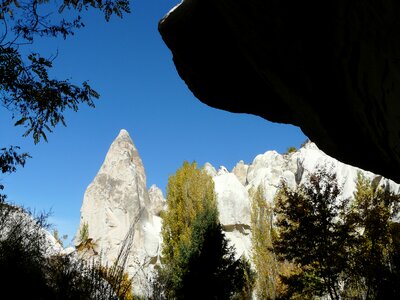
197 261
210 262
83 233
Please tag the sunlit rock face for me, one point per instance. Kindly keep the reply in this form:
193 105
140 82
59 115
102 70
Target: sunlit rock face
118 199
234 211
329 67
269 170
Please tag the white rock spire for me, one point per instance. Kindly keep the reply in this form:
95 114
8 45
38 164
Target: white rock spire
116 198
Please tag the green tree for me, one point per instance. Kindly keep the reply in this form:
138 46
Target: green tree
34 99
189 192
269 269
209 262
197 262
376 271
313 235
85 243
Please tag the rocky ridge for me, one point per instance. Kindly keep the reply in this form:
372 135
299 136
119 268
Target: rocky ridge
118 198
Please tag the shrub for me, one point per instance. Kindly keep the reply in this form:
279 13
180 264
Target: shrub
31 269
291 149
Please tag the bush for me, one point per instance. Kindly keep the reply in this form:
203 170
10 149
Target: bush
291 149
31 269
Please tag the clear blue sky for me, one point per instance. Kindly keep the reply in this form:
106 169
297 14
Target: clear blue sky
127 62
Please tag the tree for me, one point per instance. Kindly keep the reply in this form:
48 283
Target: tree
209 262
376 259
189 192
35 100
9 160
197 262
264 258
269 269
313 235
291 149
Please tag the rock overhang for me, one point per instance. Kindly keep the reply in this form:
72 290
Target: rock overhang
329 67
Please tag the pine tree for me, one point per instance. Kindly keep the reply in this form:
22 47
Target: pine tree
197 262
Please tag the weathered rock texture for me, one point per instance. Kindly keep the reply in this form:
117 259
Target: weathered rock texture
268 170
329 67
118 199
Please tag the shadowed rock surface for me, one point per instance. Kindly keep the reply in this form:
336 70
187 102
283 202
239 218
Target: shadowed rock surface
330 67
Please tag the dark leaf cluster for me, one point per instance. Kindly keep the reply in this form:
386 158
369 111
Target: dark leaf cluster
35 100
10 159
207 267
345 248
29 270
109 7
311 233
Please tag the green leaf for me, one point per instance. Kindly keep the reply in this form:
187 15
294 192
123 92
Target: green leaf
20 121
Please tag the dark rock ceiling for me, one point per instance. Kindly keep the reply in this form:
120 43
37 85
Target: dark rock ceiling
330 67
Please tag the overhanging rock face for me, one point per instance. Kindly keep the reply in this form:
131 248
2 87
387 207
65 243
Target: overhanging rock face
330 67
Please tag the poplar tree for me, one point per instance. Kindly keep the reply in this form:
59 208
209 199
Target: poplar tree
263 257
197 261
269 269
189 192
376 259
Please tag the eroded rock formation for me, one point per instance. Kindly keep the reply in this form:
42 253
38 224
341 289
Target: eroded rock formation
329 67
118 199
268 170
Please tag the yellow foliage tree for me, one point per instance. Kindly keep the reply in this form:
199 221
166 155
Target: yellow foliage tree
119 280
269 269
189 192
197 261
262 234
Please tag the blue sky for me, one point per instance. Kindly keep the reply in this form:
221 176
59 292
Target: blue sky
126 61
